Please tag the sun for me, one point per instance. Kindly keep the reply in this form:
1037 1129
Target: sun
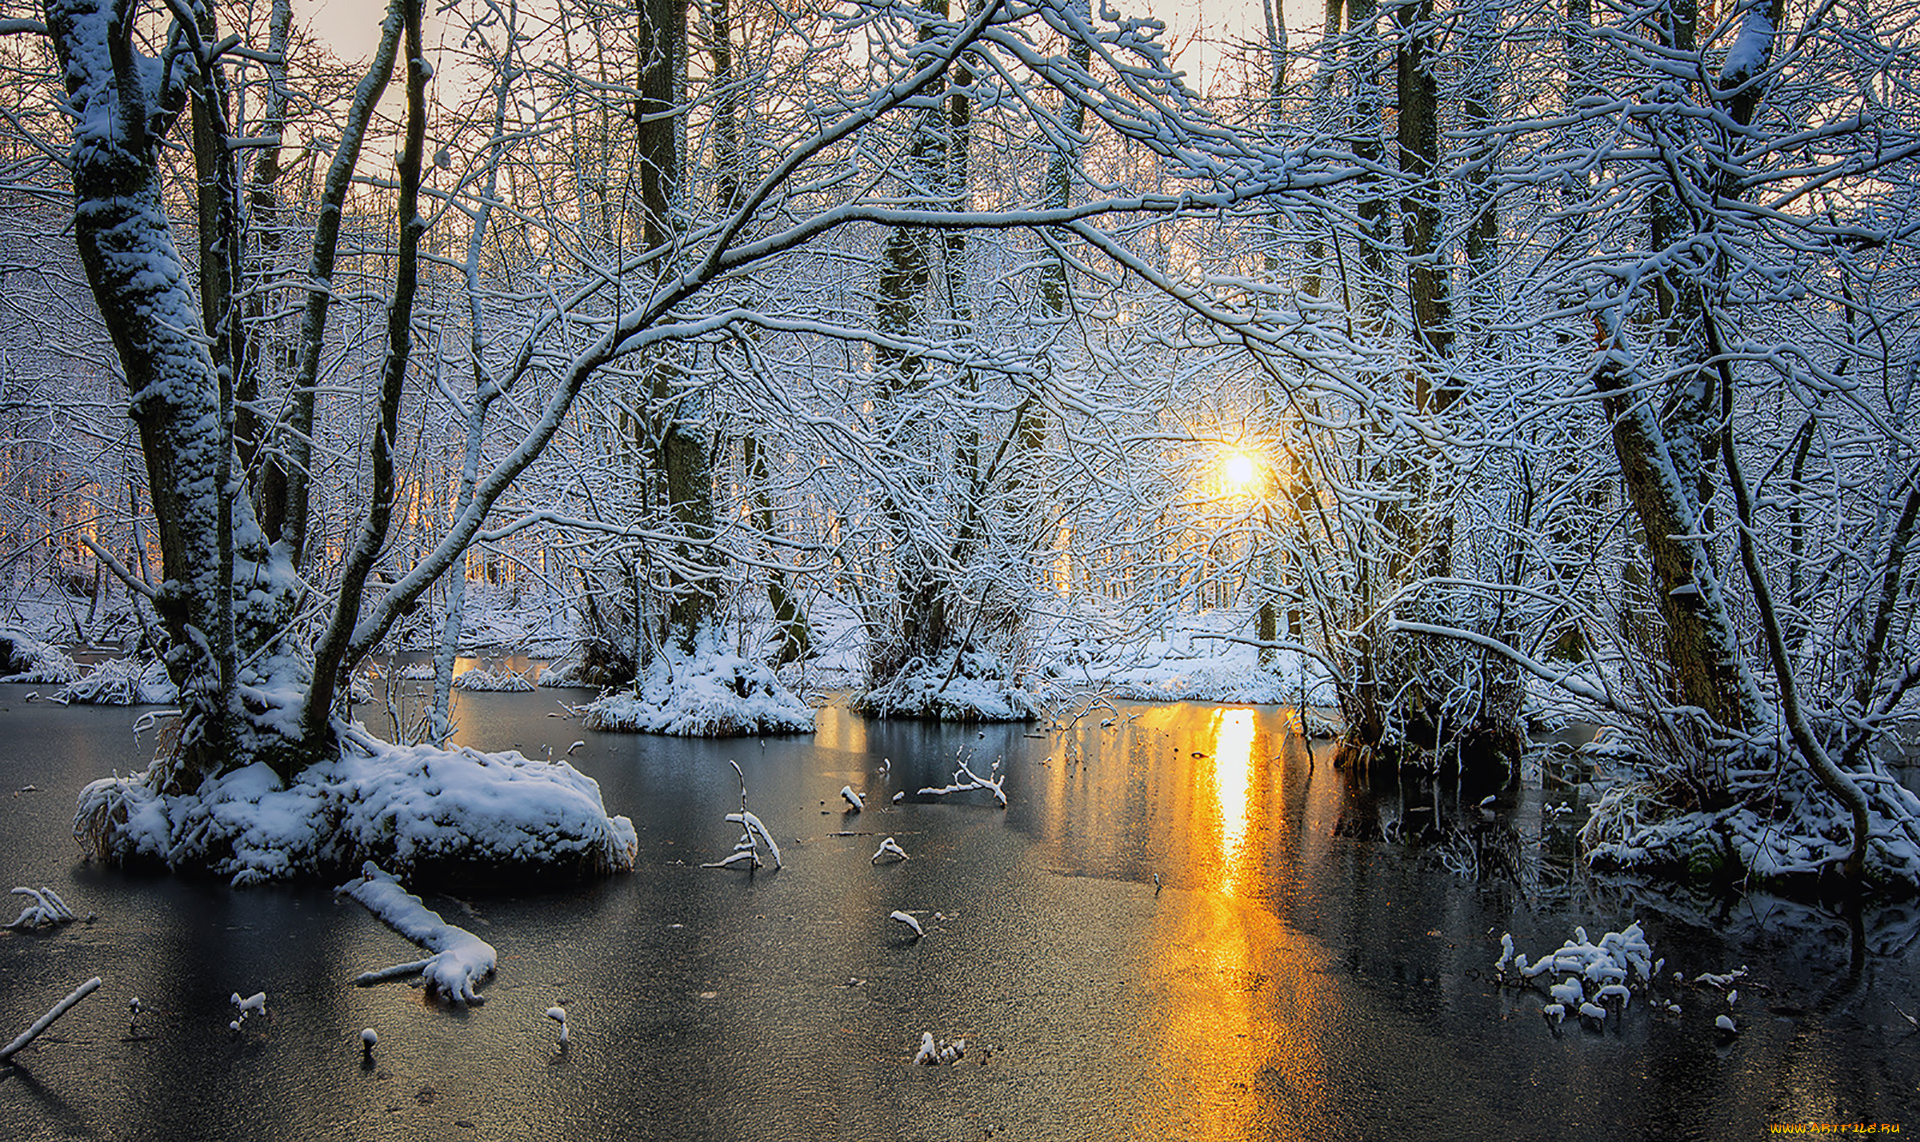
1239 471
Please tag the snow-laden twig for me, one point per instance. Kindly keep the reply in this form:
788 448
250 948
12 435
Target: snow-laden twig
964 779
909 921
559 1015
854 799
889 850
45 1021
753 833
460 960
47 909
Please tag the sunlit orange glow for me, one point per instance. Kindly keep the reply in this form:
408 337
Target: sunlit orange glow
1239 472
1232 777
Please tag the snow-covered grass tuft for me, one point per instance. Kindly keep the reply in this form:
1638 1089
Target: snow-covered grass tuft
123 682
419 810
27 659
460 959
972 689
503 680
45 910
1592 978
710 695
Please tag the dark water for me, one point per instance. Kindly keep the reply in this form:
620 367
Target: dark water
1315 965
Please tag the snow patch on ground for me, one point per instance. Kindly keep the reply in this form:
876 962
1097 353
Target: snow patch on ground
713 695
420 810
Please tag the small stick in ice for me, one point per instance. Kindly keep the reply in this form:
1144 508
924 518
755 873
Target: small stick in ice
559 1015
255 1004
368 1038
909 921
45 1021
852 798
889 850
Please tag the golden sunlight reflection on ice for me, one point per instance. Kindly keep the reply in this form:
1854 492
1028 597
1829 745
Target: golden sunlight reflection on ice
1233 766
1246 999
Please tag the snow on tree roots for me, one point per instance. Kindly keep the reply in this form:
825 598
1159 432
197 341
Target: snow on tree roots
425 812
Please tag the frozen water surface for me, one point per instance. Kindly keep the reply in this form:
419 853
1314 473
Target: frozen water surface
1316 963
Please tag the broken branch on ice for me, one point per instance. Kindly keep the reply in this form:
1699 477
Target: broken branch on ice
460 959
41 1024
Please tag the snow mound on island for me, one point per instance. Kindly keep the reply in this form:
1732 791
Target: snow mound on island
27 659
710 695
422 811
973 690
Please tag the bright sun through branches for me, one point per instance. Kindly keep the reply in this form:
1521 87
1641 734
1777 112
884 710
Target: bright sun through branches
1239 472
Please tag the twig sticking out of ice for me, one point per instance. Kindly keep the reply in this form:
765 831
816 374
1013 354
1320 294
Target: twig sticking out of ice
909 921
255 1004
973 781
46 1021
47 909
460 959
1720 981
753 833
852 798
559 1015
899 797
368 1038
1726 1023
933 1053
889 850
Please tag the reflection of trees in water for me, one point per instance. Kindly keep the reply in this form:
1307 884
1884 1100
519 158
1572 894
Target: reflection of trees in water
1441 816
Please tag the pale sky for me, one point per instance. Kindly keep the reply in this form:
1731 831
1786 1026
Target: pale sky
1197 27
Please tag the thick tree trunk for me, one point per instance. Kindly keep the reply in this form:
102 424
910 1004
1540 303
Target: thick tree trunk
210 551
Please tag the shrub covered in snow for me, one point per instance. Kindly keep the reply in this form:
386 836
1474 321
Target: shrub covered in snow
123 682
502 680
27 659
973 688
710 695
425 812
1786 836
